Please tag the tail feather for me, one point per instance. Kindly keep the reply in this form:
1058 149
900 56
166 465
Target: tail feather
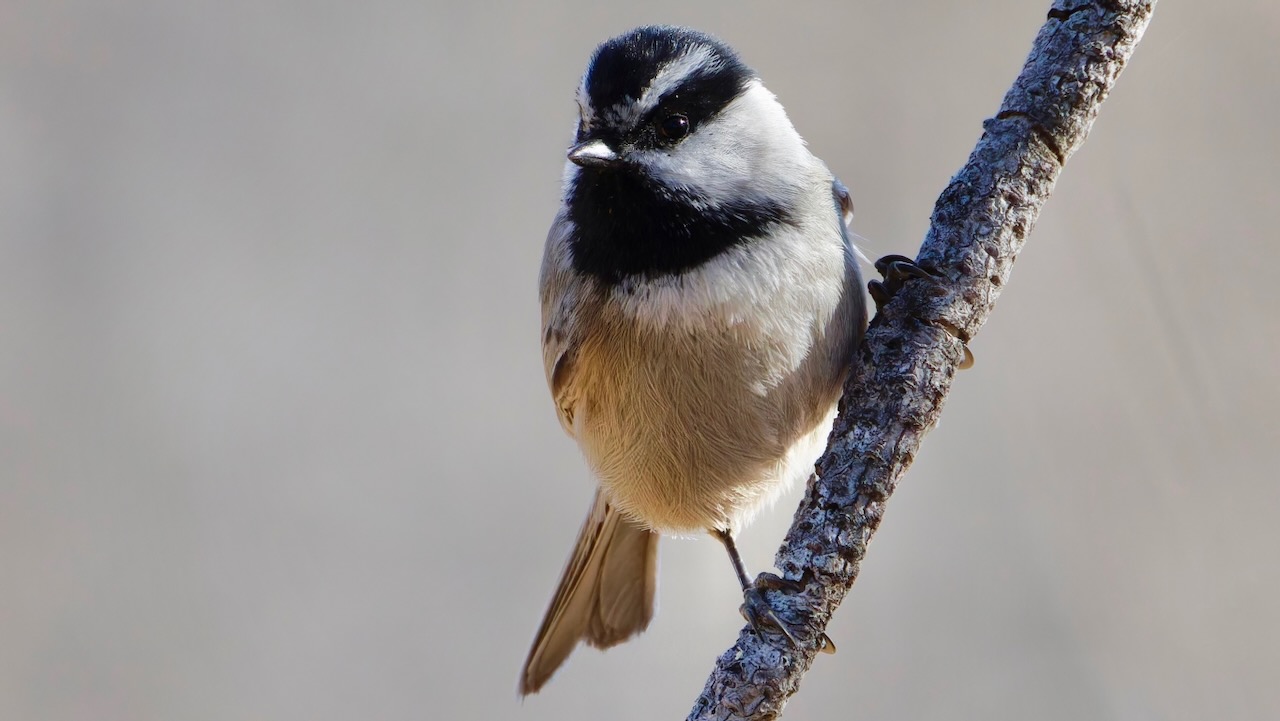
605 594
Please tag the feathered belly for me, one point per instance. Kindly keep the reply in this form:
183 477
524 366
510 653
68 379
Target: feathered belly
687 433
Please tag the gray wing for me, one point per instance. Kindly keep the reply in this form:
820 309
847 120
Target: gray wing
564 314
853 309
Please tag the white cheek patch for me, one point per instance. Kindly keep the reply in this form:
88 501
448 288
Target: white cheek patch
747 152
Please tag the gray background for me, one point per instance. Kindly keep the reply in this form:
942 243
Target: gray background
274 437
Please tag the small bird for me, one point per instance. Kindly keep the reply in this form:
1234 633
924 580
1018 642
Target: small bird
701 303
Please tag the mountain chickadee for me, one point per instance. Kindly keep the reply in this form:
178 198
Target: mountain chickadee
701 303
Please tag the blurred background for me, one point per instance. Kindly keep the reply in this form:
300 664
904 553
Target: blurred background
275 441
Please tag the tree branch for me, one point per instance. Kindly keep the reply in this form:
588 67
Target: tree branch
914 345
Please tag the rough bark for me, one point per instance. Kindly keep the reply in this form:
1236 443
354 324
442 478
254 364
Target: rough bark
915 343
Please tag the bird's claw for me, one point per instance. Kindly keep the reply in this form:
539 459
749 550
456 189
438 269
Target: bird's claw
761 616
900 266
896 270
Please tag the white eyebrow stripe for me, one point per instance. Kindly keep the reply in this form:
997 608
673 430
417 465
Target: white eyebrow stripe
671 75
668 78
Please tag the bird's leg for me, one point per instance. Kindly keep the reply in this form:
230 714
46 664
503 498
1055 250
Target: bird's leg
755 607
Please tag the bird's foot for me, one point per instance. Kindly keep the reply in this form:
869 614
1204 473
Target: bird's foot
761 616
896 271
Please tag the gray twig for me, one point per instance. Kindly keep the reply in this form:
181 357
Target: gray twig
915 343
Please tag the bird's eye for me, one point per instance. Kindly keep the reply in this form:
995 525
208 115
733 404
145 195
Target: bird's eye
673 127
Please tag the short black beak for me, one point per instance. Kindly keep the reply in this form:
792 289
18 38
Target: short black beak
593 153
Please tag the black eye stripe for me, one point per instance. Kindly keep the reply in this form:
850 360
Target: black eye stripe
699 97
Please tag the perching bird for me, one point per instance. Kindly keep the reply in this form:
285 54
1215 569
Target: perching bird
701 303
